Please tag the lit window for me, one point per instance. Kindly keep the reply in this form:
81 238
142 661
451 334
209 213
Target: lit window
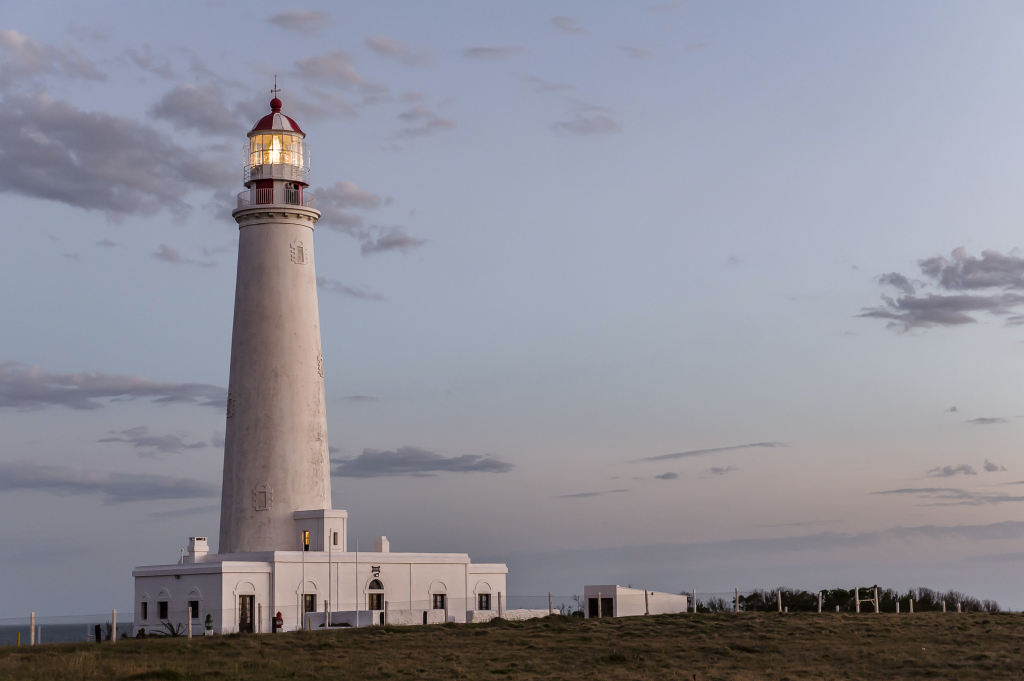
335 538
439 601
483 601
309 600
305 540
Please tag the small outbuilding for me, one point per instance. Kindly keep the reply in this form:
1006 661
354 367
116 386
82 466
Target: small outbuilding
612 600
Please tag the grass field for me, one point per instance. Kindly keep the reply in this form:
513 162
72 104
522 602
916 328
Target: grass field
703 647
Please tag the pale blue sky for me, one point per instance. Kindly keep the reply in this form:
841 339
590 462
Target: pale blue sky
622 231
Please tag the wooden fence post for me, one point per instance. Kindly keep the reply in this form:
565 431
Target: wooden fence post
736 603
780 599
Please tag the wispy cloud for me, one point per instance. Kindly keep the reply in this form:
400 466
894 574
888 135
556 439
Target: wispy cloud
667 476
636 52
140 438
950 471
332 286
302 21
421 121
567 25
949 496
541 85
359 398
116 488
212 509
415 462
718 470
30 387
203 108
987 421
391 239
336 200
491 52
337 69
25 57
587 495
398 49
588 120
713 450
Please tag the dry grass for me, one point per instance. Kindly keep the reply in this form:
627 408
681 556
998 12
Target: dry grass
703 647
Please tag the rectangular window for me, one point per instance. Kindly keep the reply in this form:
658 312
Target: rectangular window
305 540
439 601
335 538
483 601
161 609
145 610
310 602
195 609
374 601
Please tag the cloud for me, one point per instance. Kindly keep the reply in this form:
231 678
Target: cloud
116 488
302 21
718 470
333 286
949 496
392 239
993 467
335 68
636 52
53 150
106 243
898 281
168 254
910 312
714 450
422 121
147 61
960 272
491 52
334 201
667 476
987 421
949 471
26 57
30 387
397 49
587 495
186 512
140 438
415 462
202 108
217 440
541 85
588 120
567 25
360 398
953 409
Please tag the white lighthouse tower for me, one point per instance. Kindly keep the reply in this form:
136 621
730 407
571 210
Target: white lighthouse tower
283 561
275 454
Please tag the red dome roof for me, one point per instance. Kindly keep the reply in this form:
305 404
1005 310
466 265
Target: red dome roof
275 120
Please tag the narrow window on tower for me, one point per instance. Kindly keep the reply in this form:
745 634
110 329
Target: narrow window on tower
298 252
305 540
335 538
145 610
262 497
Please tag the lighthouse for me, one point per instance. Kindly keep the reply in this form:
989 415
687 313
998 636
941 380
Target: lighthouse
283 561
275 453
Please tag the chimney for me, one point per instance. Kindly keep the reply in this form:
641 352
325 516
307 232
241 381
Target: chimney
382 545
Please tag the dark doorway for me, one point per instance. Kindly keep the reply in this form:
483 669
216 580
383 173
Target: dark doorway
439 600
245 610
606 607
382 618
309 601
424 616
483 601
375 601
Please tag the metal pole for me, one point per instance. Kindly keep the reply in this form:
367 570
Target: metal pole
357 583
32 630
259 617
302 589
330 544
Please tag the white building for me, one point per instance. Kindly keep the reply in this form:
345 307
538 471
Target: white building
617 601
283 548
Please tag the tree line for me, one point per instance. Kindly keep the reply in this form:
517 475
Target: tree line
925 600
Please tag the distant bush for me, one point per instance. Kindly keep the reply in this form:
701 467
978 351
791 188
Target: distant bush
807 601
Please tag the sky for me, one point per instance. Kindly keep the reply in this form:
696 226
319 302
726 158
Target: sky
700 295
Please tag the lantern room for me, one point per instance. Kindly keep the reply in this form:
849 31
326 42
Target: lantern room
276 161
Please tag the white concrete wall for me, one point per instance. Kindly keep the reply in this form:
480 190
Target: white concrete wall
627 602
276 428
517 615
